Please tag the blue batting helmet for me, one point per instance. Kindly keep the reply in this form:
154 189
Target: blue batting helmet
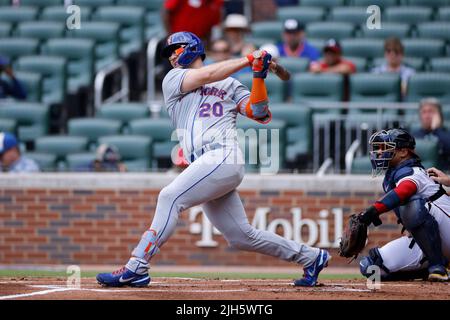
192 45
383 145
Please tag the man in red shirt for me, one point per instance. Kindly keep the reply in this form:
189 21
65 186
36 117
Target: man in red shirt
196 16
333 61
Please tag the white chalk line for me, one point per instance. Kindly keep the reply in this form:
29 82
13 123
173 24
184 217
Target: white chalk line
24 295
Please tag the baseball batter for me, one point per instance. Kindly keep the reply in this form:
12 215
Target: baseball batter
421 205
203 103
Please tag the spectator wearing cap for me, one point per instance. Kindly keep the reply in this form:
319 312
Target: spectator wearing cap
294 42
432 124
10 157
198 16
12 88
332 60
107 159
393 55
235 27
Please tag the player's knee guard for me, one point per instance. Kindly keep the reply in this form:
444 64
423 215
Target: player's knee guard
424 229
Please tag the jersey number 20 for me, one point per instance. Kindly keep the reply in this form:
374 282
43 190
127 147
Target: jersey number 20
207 111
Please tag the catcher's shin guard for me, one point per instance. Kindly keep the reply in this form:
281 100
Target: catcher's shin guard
424 229
374 259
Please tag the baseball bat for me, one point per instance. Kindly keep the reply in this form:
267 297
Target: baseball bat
280 71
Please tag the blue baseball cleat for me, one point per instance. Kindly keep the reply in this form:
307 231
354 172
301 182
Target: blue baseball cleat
125 276
311 273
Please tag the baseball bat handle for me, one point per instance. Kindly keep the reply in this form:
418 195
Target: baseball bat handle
280 71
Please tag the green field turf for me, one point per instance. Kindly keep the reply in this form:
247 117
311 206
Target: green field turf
205 275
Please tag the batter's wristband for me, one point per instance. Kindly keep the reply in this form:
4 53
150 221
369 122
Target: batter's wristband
250 59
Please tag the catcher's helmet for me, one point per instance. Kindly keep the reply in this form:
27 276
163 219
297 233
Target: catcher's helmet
192 47
383 145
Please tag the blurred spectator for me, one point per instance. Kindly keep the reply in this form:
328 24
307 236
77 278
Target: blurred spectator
197 16
220 51
394 54
332 60
10 157
272 50
107 159
235 28
12 88
431 122
294 42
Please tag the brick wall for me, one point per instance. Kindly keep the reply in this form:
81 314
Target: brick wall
55 220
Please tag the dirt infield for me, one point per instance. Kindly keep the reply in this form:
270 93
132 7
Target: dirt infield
200 289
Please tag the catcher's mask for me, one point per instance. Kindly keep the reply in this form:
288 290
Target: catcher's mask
383 145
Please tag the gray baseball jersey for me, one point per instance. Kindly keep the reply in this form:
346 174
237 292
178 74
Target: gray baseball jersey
205 115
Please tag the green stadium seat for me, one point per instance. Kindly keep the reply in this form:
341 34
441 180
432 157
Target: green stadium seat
8 125
135 150
93 128
17 47
299 127
61 145
124 112
355 15
40 30
423 85
79 54
304 14
388 29
46 161
360 63
443 14
317 43
381 3
417 64
436 29
294 65
317 87
361 165
17 14
94 3
429 3
258 42
275 87
250 129
160 130
32 118
267 29
59 13
40 4
409 14
53 72
78 161
375 87
327 30
5 2
365 48
5 29
105 35
440 64
132 22
322 3
33 85
428 151
424 48
154 5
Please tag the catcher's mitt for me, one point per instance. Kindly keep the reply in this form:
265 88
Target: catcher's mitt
354 239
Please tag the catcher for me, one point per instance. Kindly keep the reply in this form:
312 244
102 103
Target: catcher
420 204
